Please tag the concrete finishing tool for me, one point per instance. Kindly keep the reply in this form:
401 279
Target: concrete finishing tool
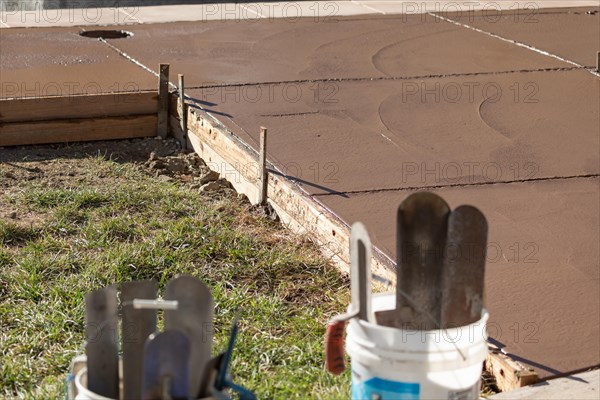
440 265
173 364
440 272
360 306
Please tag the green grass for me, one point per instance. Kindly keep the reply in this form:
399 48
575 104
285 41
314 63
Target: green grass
95 233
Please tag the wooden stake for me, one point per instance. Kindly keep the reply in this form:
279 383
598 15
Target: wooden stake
598 61
163 101
182 111
264 178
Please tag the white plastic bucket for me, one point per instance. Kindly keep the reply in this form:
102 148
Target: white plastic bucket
82 391
396 364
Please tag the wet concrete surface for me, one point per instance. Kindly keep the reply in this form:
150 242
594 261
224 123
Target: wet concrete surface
38 62
425 132
342 47
364 110
542 263
571 33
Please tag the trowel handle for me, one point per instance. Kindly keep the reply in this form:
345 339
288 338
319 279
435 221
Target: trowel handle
334 347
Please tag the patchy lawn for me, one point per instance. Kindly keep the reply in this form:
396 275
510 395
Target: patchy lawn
80 217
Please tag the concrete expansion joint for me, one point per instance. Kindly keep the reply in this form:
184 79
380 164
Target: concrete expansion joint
416 188
133 60
289 114
388 78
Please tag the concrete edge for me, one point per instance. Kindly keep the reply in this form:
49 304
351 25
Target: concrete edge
237 162
582 386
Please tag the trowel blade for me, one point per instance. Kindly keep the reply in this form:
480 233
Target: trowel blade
193 317
421 235
136 327
101 328
360 272
166 366
464 267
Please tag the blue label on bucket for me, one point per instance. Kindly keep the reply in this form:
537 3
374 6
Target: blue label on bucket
382 389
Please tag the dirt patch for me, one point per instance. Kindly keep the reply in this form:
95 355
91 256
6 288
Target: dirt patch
54 166
60 166
187 168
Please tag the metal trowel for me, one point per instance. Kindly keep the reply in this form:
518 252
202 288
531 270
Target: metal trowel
193 317
422 222
137 325
464 268
360 306
166 366
101 329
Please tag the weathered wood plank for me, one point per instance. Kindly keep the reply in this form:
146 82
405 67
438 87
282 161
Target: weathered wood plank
84 106
77 130
264 177
163 100
509 374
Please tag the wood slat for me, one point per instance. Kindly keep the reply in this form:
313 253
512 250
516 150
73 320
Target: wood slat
509 374
77 130
84 106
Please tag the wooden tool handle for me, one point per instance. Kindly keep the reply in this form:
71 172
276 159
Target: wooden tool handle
334 347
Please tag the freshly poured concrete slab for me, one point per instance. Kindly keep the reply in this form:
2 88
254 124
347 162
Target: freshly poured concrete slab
58 62
374 135
570 33
542 273
369 47
386 125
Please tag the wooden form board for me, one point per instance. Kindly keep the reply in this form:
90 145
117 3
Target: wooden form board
39 120
239 164
77 130
85 106
509 374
